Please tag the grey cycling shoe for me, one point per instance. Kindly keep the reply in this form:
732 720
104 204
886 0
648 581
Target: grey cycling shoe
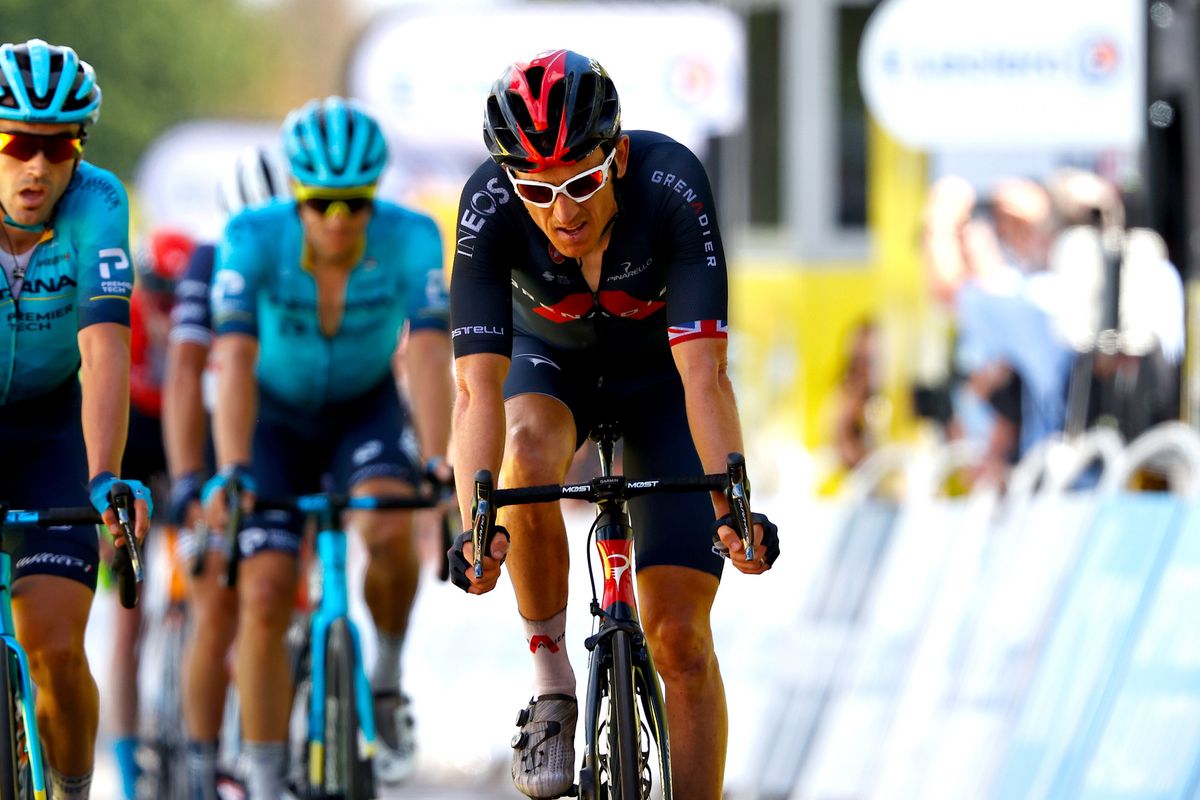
395 757
543 762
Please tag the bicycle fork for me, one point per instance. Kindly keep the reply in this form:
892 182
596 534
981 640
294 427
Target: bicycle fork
617 611
8 642
334 605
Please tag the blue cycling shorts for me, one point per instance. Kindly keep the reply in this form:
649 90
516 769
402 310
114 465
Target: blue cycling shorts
669 529
44 465
332 449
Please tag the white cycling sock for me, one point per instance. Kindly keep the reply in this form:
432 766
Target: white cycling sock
202 769
267 763
386 675
64 788
552 673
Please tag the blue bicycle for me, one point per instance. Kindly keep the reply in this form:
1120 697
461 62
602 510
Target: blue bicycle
22 764
333 712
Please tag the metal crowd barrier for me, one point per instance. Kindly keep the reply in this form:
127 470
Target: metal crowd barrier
1038 644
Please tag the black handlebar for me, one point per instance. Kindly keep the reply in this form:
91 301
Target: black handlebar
616 487
321 503
66 516
127 562
734 483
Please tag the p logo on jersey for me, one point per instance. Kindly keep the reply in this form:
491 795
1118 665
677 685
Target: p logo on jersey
114 260
227 283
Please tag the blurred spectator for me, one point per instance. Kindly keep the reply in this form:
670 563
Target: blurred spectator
986 262
1020 211
859 410
1034 291
1079 197
1130 336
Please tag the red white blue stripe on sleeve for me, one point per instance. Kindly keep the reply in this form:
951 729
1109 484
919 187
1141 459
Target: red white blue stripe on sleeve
700 329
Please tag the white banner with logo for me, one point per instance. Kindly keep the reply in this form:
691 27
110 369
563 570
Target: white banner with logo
679 67
1006 73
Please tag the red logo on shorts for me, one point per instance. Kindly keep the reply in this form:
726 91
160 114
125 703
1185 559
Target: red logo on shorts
541 640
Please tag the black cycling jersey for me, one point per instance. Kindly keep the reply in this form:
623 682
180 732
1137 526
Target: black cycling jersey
663 279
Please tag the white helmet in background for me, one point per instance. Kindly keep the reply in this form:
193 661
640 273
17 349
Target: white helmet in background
259 174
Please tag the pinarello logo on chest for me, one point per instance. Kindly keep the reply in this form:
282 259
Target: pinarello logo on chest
555 256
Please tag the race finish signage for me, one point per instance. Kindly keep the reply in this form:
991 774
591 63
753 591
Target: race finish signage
679 67
1006 73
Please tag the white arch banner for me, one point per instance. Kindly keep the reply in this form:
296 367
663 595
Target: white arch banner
679 67
1006 73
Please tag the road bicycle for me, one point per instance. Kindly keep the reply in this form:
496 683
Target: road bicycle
333 719
22 763
627 749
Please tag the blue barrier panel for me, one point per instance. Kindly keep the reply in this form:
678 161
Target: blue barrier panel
950 748
1089 642
1147 746
866 687
833 611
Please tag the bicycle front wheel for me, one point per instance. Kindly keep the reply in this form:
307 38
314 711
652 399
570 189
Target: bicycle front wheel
346 776
16 780
624 748
10 718
655 718
162 734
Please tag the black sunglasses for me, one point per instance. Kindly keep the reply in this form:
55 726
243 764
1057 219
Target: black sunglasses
354 205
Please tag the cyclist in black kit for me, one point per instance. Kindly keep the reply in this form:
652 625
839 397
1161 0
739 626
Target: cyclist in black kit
589 270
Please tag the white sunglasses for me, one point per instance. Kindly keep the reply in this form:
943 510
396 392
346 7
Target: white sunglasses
579 188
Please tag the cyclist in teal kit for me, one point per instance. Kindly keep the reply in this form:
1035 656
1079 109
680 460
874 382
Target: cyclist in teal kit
64 376
309 300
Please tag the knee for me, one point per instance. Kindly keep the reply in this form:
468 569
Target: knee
214 616
682 648
386 536
265 604
57 662
534 454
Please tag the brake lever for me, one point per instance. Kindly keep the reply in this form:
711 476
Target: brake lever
121 499
233 499
483 518
737 492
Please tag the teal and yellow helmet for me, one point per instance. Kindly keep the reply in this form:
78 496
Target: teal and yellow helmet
42 82
334 144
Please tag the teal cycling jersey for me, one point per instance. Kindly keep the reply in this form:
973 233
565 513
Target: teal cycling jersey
79 274
260 287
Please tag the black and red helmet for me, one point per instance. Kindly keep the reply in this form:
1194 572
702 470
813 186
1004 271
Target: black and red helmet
550 112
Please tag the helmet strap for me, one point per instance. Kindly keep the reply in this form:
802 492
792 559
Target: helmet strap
38 228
